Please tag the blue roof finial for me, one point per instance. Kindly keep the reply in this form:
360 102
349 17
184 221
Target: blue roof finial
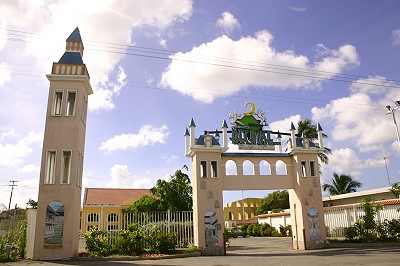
224 124
217 133
192 124
187 132
319 128
292 126
279 135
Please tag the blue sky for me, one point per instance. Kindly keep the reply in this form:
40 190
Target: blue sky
156 64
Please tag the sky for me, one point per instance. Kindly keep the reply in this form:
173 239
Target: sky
155 65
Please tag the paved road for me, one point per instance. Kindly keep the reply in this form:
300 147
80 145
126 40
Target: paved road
260 251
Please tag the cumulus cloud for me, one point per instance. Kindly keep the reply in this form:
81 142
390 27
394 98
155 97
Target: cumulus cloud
396 36
227 23
5 73
360 117
122 177
250 61
14 154
148 135
170 159
346 161
29 169
99 21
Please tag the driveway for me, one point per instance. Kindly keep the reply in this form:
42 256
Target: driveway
259 251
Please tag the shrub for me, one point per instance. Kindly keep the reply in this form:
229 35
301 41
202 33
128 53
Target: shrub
161 243
191 250
97 242
285 230
130 241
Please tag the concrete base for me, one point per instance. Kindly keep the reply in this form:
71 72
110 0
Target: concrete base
213 251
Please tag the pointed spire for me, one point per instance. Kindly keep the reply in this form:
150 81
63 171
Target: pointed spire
279 135
292 126
319 128
217 133
75 36
187 132
224 124
192 124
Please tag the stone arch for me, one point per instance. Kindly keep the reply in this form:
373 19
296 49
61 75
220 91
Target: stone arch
230 168
265 167
248 167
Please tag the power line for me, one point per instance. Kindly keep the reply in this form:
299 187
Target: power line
164 54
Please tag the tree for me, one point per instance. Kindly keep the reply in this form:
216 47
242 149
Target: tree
176 194
304 127
146 204
276 201
342 184
32 203
395 189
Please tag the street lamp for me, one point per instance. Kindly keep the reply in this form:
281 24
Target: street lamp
391 110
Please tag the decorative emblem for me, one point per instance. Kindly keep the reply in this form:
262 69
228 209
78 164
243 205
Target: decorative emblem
247 130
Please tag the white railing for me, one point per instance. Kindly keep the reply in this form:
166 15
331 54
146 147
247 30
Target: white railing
338 218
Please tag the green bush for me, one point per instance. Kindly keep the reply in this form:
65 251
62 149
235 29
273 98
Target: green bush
16 241
160 243
97 242
191 250
130 241
393 229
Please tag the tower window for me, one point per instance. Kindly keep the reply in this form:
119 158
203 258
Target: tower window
50 167
70 111
57 103
66 167
313 168
214 169
203 169
303 168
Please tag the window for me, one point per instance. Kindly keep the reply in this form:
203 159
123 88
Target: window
84 110
93 217
203 169
65 167
303 168
70 111
80 170
112 217
214 169
57 103
50 167
313 168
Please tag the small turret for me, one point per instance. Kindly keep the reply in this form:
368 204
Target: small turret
279 139
192 127
187 141
293 135
320 136
225 133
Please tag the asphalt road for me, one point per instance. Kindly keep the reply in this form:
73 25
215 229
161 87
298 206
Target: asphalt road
260 251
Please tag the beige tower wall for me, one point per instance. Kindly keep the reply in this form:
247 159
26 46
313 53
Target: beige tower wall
62 133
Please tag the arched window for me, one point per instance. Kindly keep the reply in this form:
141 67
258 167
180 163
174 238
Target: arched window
112 217
265 168
93 217
248 168
54 224
280 168
230 168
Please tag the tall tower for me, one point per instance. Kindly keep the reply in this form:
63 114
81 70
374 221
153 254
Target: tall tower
57 221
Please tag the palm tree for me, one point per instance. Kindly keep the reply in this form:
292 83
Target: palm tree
342 184
306 129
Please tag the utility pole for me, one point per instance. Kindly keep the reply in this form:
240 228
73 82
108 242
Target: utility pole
387 172
12 189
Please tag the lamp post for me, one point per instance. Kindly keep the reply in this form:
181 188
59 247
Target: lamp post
391 110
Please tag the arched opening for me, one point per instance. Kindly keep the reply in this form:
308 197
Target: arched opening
248 168
265 168
280 167
230 168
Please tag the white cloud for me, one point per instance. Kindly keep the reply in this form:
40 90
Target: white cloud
5 73
105 21
147 136
163 43
122 177
346 161
227 23
396 36
170 159
14 154
10 133
298 9
29 169
284 124
250 61
360 117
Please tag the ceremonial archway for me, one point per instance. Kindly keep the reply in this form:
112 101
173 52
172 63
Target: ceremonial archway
210 178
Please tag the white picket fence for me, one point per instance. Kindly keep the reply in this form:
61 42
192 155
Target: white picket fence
337 218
